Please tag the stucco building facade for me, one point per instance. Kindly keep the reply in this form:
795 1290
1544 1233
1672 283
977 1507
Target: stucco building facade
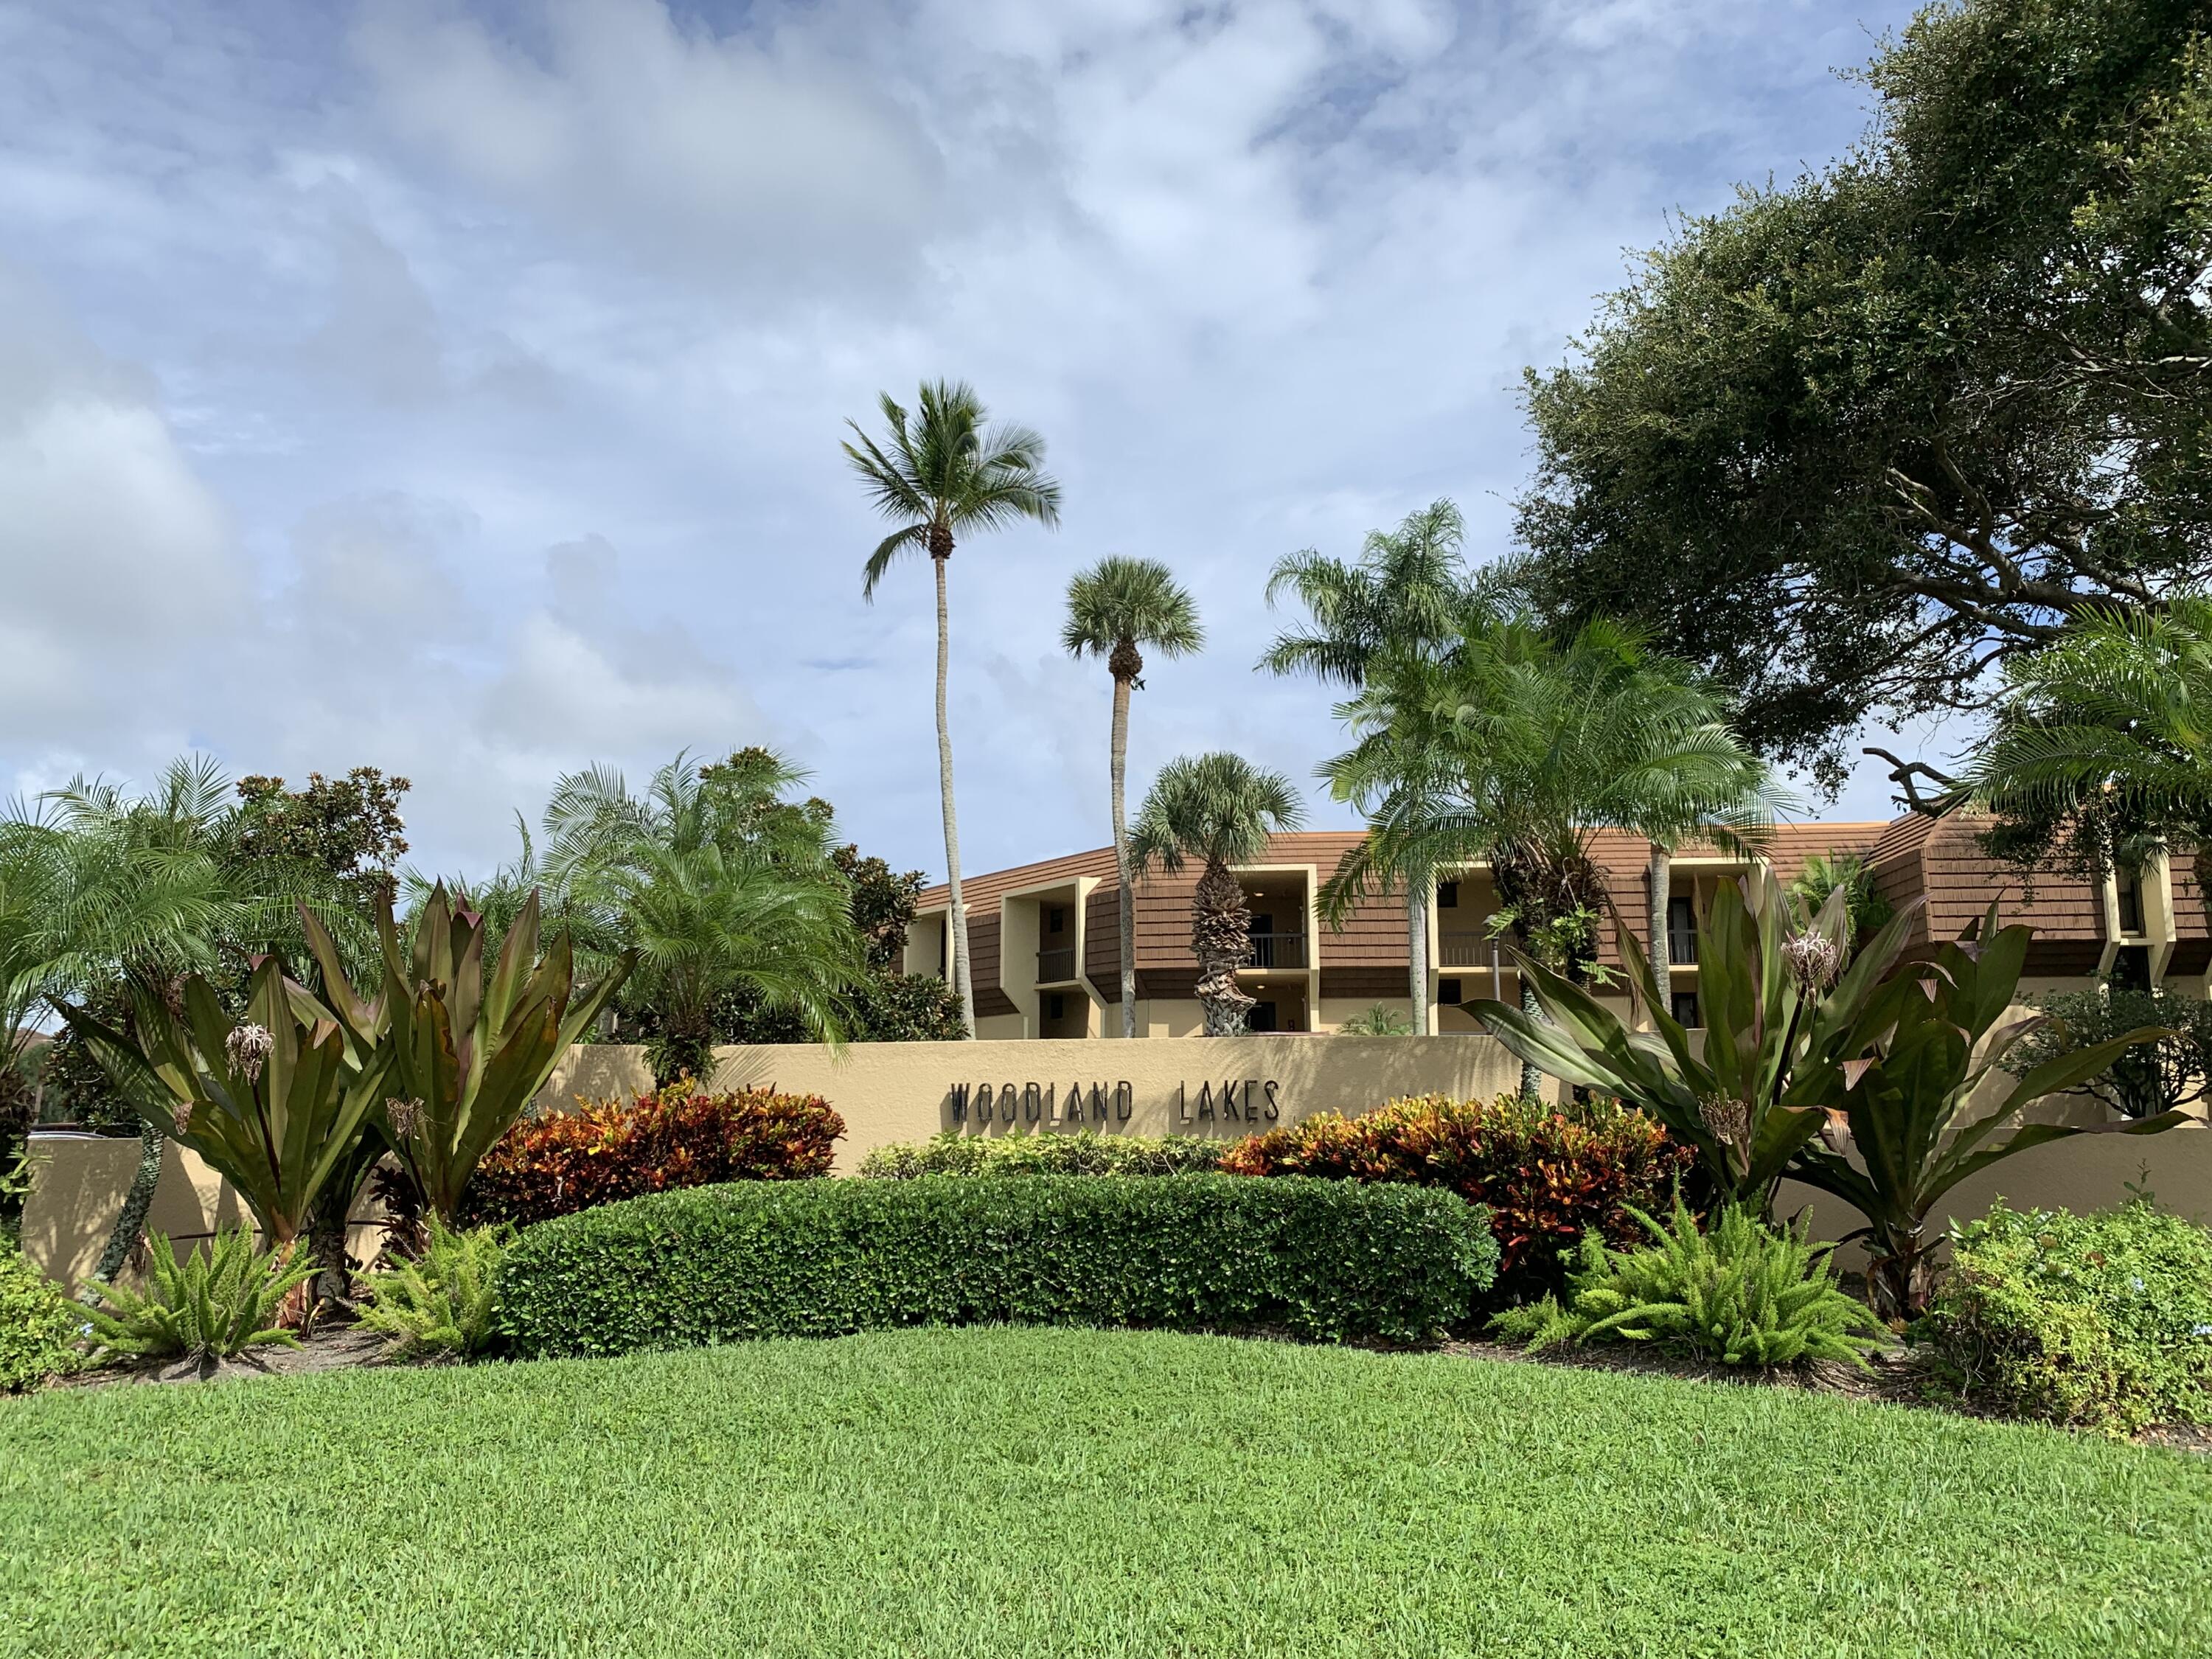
1047 953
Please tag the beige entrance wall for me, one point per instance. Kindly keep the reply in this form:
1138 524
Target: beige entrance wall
1222 1087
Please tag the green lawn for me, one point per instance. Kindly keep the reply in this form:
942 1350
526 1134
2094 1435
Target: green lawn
996 1492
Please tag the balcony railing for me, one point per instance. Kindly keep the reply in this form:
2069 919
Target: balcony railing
1464 950
1277 950
1054 966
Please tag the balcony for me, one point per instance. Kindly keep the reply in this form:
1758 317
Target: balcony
1056 966
1464 950
1277 950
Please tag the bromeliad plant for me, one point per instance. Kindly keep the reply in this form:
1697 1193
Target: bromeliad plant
272 1099
461 1054
1781 995
1920 1049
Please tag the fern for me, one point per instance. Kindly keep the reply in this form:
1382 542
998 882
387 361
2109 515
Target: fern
215 1305
442 1303
1742 1292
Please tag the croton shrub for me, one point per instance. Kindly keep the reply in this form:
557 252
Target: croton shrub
1549 1177
680 1136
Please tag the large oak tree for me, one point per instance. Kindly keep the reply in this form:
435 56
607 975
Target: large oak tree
1853 440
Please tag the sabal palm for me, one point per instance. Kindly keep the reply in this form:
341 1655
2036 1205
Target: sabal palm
2103 743
1218 809
940 476
1531 748
1115 610
713 894
1408 596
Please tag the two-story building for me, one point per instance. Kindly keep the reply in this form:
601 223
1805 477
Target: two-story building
1047 949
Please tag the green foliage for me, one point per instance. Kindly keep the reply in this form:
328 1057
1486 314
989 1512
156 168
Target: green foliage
1379 1020
2146 1078
1781 995
2100 752
1548 1178
1528 747
1743 1293
272 1099
713 881
39 1327
215 1305
2102 1320
443 1302
1408 592
1849 438
1075 1494
1824 873
944 473
1119 605
1084 1152
1918 1052
459 1053
1323 1260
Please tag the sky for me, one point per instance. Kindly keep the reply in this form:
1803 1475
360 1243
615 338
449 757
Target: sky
458 388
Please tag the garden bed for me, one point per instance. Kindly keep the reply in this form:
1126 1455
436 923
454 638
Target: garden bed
1065 1491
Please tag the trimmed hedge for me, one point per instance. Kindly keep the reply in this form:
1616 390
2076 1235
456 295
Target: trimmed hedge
1084 1152
1550 1178
681 1136
2100 1320
1322 1259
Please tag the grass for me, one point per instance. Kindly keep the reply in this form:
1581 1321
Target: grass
1056 1491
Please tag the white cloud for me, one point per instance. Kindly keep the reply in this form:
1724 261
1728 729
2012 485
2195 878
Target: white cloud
733 154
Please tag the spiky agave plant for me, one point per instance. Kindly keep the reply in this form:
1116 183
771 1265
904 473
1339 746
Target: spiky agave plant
461 1053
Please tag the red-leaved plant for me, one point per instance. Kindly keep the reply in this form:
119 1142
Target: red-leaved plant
1550 1177
681 1136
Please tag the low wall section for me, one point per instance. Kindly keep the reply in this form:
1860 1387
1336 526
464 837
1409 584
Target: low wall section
1225 1087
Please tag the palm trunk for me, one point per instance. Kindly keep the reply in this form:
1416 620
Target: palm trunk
956 919
1127 890
124 1239
1532 1080
1221 938
1659 880
326 1239
1417 952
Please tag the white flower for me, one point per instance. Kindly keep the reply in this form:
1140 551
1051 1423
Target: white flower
248 1046
1814 961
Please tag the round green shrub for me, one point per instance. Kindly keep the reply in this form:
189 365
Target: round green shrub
1322 1259
2101 1321
39 1326
1082 1151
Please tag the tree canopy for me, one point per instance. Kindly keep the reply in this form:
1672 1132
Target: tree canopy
1852 440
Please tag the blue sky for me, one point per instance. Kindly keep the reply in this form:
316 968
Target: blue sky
457 389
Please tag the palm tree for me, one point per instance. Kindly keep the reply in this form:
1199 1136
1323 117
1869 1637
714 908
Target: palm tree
114 891
1534 747
2101 749
1218 809
942 474
1113 609
1408 595
713 891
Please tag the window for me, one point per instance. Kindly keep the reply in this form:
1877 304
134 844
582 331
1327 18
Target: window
1447 895
2130 883
1685 1009
1448 993
1055 1006
1055 919
1681 932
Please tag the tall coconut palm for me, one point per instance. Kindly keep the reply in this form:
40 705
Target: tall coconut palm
1408 595
1218 809
1113 609
939 476
711 892
1534 747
